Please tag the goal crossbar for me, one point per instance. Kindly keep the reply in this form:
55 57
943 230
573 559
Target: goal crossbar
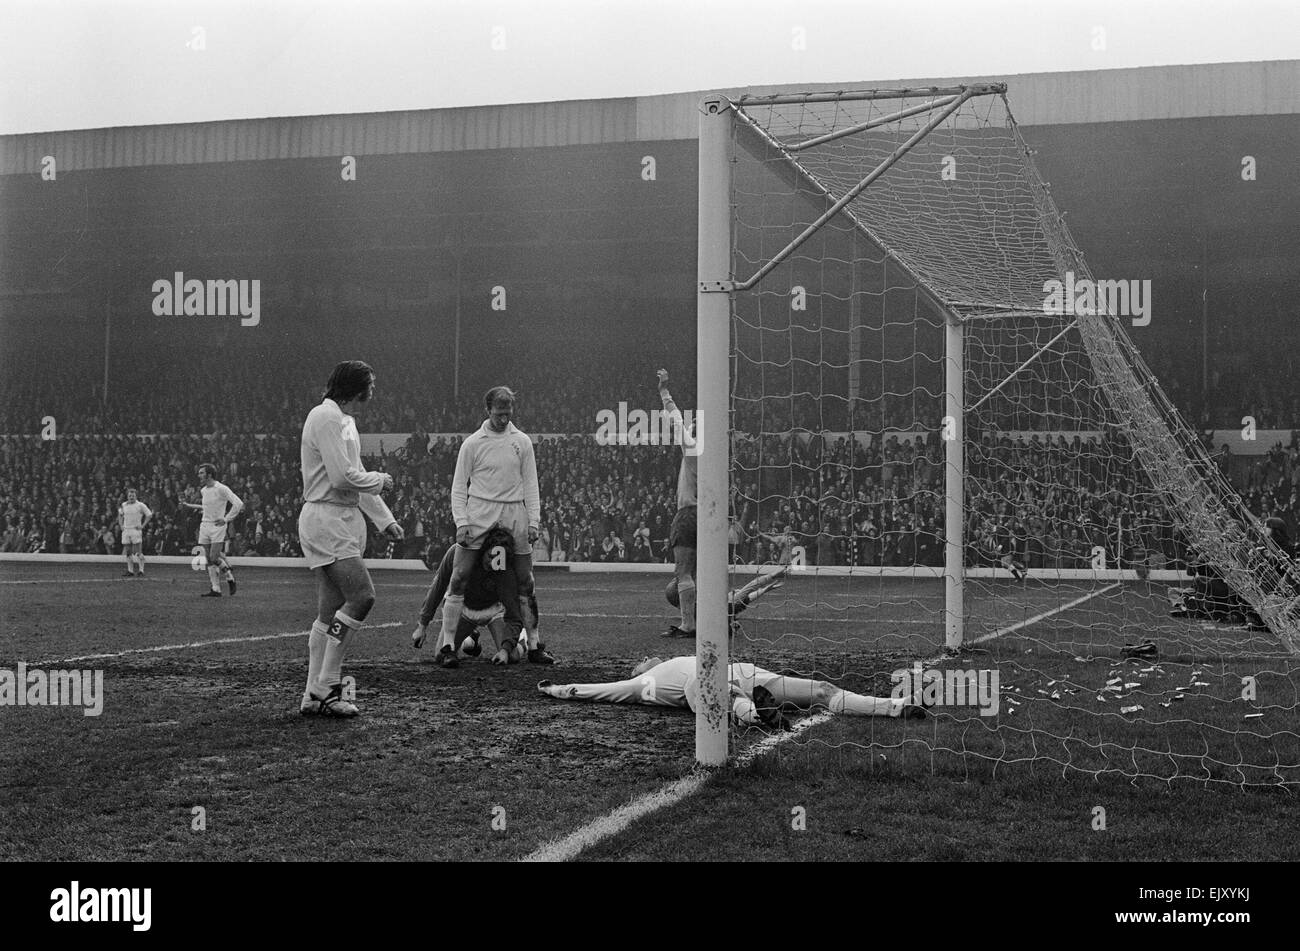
859 95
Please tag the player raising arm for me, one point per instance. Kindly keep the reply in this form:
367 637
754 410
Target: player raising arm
681 535
212 529
496 482
336 490
132 517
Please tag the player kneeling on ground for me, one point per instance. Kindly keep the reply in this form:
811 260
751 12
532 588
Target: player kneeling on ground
491 601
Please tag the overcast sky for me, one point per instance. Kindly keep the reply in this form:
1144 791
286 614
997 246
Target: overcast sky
74 64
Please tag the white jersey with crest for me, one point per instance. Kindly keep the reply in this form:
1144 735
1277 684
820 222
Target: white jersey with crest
133 515
215 498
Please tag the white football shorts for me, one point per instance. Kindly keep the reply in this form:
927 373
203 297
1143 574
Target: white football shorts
478 616
132 536
481 515
330 533
210 534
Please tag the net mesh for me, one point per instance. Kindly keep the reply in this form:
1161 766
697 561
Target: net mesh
1091 510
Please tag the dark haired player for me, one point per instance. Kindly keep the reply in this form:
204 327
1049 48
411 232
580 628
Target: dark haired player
212 530
491 601
336 490
496 482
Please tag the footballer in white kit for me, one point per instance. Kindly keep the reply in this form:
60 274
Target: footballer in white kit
133 515
212 529
496 484
336 490
757 695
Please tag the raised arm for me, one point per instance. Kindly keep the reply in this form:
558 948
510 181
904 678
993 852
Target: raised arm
670 408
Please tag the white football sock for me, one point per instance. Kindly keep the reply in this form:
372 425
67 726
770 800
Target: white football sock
452 608
213 577
139 560
315 652
686 594
337 636
855 704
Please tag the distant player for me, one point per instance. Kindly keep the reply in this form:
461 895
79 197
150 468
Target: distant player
212 530
783 544
336 490
132 517
1006 547
757 695
491 601
682 532
496 482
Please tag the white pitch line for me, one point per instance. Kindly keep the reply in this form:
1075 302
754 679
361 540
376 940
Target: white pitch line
1033 620
180 647
67 581
573 844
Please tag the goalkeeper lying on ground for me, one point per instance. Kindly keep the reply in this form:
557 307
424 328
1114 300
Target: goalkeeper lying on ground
757 695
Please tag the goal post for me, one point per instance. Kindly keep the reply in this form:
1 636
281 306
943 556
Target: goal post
713 432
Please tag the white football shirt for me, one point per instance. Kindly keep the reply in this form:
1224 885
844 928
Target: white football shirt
215 497
133 515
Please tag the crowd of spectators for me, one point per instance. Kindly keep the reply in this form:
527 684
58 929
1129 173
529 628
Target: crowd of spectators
827 501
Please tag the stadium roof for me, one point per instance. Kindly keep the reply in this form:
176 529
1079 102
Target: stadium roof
1037 99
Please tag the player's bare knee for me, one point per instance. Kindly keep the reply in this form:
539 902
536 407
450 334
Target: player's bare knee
359 606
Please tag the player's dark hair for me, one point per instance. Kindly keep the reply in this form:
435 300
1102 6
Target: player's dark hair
501 394
350 381
208 467
499 535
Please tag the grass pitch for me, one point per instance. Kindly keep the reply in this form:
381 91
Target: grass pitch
200 722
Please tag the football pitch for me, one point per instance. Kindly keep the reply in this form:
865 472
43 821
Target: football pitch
200 753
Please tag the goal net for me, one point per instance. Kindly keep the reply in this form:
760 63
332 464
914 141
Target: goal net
937 417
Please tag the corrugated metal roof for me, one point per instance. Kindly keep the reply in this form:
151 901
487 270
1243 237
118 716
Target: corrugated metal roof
1159 92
